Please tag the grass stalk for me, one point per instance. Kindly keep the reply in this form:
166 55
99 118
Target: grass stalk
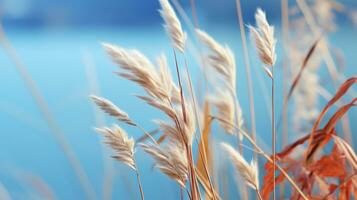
48 116
285 71
181 89
191 167
203 154
139 182
258 194
90 70
194 13
273 130
248 72
331 66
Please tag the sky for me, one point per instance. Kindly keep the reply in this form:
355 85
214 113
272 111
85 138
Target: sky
39 13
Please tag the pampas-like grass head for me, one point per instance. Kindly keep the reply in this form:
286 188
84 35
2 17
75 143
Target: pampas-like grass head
172 161
139 69
224 103
173 26
168 84
248 171
118 140
220 58
263 37
110 108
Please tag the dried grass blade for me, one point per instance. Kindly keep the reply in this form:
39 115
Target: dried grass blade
205 143
181 89
162 138
303 66
49 117
340 92
338 115
205 185
347 150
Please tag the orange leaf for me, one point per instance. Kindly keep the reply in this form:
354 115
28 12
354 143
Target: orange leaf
330 165
340 92
337 116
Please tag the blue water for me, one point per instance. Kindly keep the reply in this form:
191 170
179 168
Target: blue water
56 61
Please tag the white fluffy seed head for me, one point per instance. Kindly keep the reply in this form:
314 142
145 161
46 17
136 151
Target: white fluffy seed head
110 108
221 58
248 171
123 146
173 26
263 37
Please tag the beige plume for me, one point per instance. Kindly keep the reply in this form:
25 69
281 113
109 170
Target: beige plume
248 171
263 37
118 140
173 25
172 161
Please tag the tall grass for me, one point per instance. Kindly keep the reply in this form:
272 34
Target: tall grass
319 164
173 150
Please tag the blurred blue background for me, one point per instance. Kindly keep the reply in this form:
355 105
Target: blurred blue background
59 43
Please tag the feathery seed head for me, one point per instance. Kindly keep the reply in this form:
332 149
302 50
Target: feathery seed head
263 37
248 171
172 161
221 58
224 103
118 140
167 84
139 69
110 108
188 126
173 25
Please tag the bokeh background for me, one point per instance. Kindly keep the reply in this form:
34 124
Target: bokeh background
59 44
